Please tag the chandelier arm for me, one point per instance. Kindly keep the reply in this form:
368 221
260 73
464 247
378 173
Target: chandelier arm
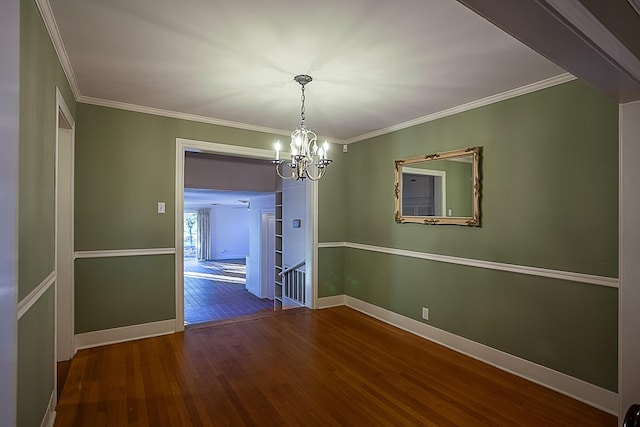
321 172
278 171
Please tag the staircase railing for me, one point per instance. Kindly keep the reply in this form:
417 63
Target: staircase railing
293 283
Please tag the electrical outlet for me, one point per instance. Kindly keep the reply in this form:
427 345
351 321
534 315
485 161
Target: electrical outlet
425 313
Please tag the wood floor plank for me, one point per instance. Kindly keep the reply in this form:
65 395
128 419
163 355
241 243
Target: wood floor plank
332 367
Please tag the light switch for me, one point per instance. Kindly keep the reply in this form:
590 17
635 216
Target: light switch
160 207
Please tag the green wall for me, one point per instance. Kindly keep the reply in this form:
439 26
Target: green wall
40 74
147 282
35 360
549 174
125 164
332 223
549 177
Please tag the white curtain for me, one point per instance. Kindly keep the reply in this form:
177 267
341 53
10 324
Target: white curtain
204 234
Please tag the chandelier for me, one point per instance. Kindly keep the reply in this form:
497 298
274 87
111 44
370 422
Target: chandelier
308 160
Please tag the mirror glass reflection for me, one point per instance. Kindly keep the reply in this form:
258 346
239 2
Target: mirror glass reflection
440 188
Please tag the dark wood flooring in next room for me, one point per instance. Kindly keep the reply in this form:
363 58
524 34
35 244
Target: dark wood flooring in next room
332 367
215 290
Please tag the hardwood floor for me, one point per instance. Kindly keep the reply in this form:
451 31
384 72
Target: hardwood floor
332 367
215 290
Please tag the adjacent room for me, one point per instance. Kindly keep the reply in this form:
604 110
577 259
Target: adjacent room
217 255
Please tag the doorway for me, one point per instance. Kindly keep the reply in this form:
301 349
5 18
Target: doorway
185 145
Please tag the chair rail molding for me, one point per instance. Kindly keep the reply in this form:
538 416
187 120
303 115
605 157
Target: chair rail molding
491 265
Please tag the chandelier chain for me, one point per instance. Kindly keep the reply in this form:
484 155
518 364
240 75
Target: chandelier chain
302 107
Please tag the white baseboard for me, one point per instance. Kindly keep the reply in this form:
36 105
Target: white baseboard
328 302
50 416
288 303
580 390
125 333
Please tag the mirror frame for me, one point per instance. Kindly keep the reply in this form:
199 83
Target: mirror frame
472 221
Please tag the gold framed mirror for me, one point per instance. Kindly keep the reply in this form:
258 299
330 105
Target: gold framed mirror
439 188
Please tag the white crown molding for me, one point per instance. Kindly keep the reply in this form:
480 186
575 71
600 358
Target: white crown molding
596 33
533 87
124 252
54 34
125 333
578 389
511 268
33 297
177 115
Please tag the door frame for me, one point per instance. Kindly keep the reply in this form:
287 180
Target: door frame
64 291
189 145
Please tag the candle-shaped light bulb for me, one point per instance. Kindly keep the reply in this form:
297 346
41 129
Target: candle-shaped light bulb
325 147
320 153
278 147
298 141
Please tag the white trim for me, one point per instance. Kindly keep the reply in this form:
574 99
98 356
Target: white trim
45 10
628 248
181 146
192 145
178 115
595 32
125 333
49 418
65 296
513 93
581 390
54 34
124 252
311 249
512 268
33 297
332 301
62 105
533 87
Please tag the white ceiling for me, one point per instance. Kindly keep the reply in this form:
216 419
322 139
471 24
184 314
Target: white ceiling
375 63
195 198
